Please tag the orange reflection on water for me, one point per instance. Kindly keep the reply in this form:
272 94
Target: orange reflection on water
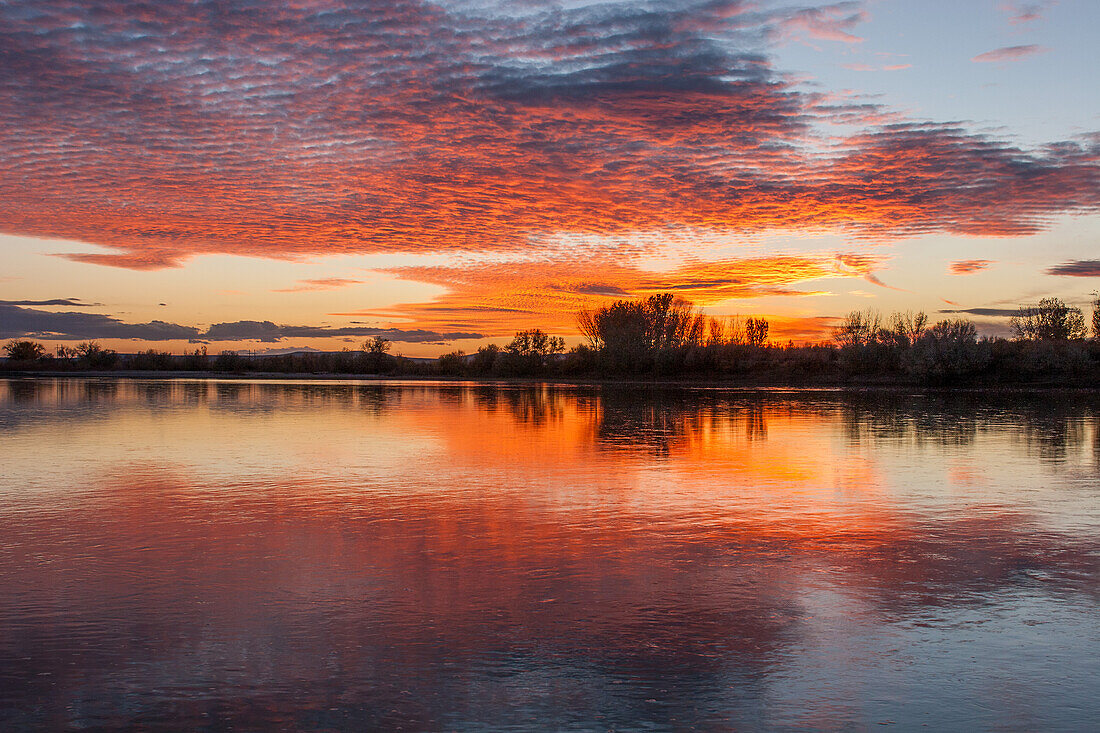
401 552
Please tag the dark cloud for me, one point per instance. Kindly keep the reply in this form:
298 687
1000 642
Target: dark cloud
1077 268
166 130
270 332
17 322
606 289
68 302
992 312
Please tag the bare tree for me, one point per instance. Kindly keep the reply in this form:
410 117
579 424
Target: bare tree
756 331
1095 314
377 345
907 328
716 332
1050 320
858 328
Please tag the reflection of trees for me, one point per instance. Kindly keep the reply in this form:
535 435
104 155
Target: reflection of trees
24 391
99 391
657 422
534 405
1096 439
1050 425
756 426
528 404
909 418
230 392
645 421
1051 434
154 394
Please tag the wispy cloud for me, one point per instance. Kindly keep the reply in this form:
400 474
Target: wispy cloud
826 23
968 267
869 67
1024 12
1077 268
1009 53
325 283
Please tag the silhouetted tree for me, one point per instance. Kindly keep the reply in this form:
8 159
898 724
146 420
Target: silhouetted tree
716 332
629 334
196 360
907 328
535 343
150 360
94 355
1050 320
24 350
756 331
452 364
948 350
858 328
377 345
375 358
1096 314
528 353
228 361
484 360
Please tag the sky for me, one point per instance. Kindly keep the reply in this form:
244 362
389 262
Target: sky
255 176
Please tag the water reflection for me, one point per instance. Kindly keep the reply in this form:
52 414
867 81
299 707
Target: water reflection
352 556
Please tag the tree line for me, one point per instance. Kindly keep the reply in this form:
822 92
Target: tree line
667 337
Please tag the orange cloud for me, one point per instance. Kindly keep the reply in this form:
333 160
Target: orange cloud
501 298
968 267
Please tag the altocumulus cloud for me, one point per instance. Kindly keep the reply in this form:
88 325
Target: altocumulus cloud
169 129
18 322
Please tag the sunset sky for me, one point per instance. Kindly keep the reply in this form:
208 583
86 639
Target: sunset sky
257 175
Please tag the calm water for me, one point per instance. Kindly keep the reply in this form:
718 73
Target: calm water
330 556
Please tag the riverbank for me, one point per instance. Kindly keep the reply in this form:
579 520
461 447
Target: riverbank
625 381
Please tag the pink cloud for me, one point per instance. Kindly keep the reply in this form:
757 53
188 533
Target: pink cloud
826 23
868 67
1009 53
1023 12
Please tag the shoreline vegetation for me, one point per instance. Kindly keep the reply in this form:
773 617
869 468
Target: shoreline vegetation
661 339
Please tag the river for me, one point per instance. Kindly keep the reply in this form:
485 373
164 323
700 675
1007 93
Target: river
270 555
